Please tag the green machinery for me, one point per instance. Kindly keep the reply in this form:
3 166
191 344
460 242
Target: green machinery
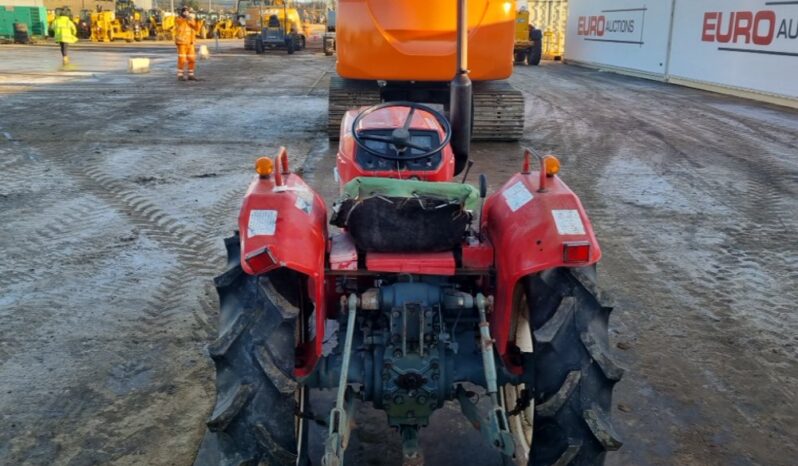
35 17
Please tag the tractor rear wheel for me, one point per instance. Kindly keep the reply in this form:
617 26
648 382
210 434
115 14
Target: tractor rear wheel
568 421
256 418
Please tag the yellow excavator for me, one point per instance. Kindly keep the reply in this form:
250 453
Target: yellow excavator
228 29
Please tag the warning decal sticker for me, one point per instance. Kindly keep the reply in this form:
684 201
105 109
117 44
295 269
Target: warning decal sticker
517 196
303 204
262 222
568 222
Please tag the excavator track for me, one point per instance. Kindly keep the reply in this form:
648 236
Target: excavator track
498 112
347 94
498 108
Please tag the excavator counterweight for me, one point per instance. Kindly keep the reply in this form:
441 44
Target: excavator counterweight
407 51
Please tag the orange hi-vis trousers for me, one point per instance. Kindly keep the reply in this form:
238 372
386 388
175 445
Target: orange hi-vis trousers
186 56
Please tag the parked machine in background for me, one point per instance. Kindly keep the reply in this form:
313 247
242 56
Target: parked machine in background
131 20
161 25
83 24
248 16
329 36
125 23
227 28
528 46
282 29
21 23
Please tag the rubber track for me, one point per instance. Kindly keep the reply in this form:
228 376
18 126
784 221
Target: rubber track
498 113
343 98
574 372
253 419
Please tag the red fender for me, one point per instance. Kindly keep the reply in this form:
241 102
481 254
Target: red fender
530 229
283 223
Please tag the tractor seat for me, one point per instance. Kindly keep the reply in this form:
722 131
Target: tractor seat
392 215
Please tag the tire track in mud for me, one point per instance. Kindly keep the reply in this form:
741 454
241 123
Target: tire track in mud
195 257
72 227
200 252
167 318
169 294
742 266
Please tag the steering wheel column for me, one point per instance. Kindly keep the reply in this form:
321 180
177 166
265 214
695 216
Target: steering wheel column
400 139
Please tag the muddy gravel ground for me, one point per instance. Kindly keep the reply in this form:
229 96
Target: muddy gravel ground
116 190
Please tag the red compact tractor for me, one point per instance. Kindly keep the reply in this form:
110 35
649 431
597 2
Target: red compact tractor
428 291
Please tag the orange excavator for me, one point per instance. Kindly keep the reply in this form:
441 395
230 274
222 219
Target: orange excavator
407 51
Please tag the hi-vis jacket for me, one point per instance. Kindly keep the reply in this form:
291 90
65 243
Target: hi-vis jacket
64 30
185 31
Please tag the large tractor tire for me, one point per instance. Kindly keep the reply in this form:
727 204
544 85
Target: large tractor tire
569 421
249 41
256 417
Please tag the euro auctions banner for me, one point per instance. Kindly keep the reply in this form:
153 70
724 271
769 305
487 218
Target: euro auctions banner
748 44
631 34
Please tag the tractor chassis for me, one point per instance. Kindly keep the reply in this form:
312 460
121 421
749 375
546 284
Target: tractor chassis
404 352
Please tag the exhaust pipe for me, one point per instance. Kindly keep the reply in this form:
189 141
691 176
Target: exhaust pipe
460 95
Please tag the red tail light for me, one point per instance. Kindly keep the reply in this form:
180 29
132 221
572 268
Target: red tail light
576 252
260 260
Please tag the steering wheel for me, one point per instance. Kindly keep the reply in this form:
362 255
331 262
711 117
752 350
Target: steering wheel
400 138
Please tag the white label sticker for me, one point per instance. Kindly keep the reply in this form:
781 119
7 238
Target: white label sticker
262 222
516 196
303 204
568 222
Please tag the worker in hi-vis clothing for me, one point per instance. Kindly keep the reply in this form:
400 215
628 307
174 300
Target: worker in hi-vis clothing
64 33
185 31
